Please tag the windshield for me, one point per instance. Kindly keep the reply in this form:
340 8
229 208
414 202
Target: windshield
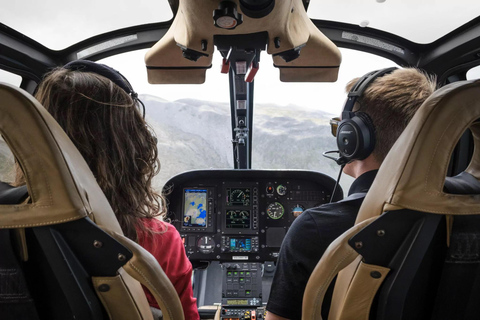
291 120
58 24
417 21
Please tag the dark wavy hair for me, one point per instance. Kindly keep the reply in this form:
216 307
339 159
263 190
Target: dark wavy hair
104 123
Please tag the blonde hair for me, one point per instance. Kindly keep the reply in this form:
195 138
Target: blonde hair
391 101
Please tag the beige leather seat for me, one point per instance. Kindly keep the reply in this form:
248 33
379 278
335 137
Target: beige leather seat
403 230
67 208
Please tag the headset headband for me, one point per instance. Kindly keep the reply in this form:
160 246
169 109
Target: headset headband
359 87
107 72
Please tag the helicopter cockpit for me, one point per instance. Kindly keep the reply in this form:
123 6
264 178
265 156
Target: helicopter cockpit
222 83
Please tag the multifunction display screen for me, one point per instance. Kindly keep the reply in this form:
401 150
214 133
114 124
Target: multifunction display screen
239 219
238 197
195 208
237 302
240 245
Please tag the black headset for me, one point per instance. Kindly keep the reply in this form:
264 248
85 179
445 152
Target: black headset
356 132
107 72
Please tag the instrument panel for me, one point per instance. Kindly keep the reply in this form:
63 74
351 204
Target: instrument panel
241 215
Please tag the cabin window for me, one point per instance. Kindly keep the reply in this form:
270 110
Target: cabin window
473 73
7 173
406 19
192 122
291 120
58 25
10 78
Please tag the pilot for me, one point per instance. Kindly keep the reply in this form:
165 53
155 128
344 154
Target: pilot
99 111
379 107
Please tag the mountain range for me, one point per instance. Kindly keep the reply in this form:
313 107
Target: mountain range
196 134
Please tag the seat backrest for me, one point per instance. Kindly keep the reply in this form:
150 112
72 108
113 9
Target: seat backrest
393 259
68 225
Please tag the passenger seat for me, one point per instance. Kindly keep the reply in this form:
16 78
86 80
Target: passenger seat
63 254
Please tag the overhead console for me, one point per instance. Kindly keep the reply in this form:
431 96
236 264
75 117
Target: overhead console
241 215
298 48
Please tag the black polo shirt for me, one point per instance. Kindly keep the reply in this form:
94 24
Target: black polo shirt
304 244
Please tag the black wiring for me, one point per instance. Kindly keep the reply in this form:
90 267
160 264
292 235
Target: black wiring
337 182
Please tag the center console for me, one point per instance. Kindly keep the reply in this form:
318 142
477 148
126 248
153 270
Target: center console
233 222
241 290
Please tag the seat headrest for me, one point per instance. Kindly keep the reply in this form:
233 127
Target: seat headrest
193 29
60 184
413 173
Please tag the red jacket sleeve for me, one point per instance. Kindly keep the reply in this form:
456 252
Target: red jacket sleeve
166 245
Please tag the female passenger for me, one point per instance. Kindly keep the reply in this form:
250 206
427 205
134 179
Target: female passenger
98 109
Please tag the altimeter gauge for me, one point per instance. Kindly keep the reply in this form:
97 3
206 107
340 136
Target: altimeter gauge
275 210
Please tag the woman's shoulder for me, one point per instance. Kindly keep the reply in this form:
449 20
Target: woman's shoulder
160 226
162 240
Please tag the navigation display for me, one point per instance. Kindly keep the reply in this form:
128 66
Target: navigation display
195 208
238 196
239 219
240 245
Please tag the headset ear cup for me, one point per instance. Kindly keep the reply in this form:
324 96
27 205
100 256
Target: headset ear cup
368 138
356 137
348 139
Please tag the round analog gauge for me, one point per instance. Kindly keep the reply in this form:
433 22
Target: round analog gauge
297 210
275 210
281 190
206 245
238 196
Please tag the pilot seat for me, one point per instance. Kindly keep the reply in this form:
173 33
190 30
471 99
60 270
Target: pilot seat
414 252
